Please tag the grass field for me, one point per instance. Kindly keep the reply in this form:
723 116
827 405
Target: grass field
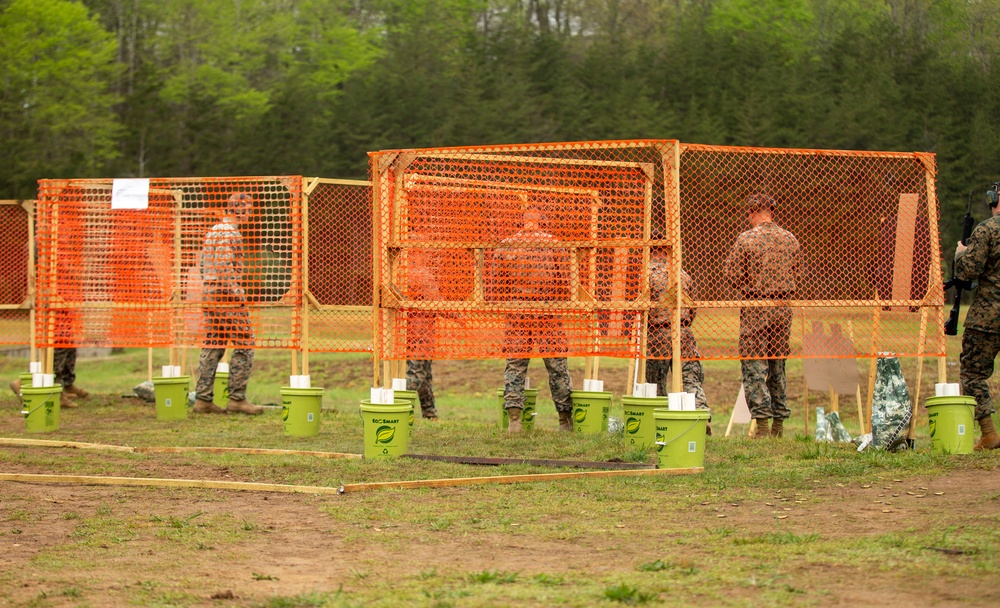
774 522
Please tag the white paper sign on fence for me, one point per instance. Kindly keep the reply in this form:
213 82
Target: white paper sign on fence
130 194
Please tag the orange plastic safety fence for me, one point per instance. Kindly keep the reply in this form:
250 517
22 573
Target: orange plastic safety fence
340 266
14 253
209 261
530 250
573 249
862 277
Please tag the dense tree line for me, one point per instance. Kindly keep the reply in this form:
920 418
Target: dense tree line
217 87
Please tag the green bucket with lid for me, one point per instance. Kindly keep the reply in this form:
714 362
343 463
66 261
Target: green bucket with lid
40 408
951 422
386 428
590 411
640 428
680 438
171 397
300 408
220 389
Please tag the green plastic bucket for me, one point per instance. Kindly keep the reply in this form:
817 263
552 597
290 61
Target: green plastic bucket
590 411
220 390
387 429
300 409
413 398
951 421
26 379
640 428
171 397
527 414
680 438
40 408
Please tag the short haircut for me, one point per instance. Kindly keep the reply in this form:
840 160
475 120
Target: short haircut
760 201
238 198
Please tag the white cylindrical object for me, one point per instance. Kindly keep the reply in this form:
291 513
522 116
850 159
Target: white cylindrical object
399 384
638 390
586 384
305 381
168 371
527 382
48 379
689 402
675 402
223 367
599 386
954 390
939 389
293 382
37 379
35 367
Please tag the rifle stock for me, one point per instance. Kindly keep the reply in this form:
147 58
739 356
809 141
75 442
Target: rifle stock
951 325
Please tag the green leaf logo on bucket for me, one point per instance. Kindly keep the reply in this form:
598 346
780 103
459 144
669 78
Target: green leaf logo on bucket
933 426
661 441
632 426
284 412
384 434
579 415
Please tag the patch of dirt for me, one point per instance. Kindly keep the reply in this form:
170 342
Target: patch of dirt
296 547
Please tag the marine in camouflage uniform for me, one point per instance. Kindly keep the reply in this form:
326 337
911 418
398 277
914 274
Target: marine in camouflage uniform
980 261
421 332
660 334
520 274
765 263
222 274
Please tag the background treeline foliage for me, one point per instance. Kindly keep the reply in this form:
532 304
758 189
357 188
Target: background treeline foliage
228 87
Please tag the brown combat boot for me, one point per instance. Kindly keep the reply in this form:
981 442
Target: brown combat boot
206 407
66 402
16 387
777 427
990 439
243 406
762 431
429 414
708 430
514 420
566 421
76 391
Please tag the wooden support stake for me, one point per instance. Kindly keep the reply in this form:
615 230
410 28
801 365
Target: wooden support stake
149 364
505 479
91 480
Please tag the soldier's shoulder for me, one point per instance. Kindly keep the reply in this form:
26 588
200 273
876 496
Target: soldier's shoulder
991 224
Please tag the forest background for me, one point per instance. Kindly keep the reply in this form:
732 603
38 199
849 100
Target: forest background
129 88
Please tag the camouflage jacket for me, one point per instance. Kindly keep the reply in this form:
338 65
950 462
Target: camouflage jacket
660 286
519 273
765 261
981 262
222 255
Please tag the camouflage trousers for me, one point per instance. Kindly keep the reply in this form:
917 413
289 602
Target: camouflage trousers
764 386
419 378
692 374
225 326
64 366
560 383
979 350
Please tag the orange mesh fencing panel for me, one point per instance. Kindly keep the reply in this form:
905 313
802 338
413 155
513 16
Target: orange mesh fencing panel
14 257
846 264
207 261
526 251
340 266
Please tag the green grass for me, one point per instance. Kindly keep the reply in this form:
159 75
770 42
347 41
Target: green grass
719 538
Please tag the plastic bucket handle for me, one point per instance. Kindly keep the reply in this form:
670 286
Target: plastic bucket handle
43 402
681 434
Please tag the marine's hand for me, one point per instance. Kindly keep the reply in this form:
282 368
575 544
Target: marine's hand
960 248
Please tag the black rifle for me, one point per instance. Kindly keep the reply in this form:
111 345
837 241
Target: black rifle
951 325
